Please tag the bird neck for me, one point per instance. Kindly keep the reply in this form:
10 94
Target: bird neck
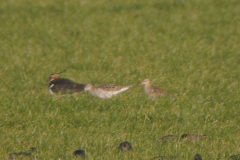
92 90
148 85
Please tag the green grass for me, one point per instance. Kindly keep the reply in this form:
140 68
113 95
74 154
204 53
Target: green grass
189 47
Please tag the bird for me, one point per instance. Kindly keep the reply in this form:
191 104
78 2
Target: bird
32 149
106 90
164 157
192 137
59 85
21 154
164 138
235 157
153 91
80 153
125 146
197 157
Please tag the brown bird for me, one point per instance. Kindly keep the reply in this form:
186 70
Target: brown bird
164 157
106 90
21 154
125 146
59 85
164 138
192 137
153 91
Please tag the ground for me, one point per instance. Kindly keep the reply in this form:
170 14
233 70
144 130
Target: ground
190 48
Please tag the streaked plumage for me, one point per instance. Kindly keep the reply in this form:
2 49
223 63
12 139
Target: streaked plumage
153 91
21 155
106 90
164 138
192 137
63 86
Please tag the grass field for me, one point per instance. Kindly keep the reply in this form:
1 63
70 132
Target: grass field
188 47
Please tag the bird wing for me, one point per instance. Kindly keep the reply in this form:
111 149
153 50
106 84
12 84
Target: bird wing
107 87
158 90
65 86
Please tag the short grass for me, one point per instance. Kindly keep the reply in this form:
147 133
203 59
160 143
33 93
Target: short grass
189 47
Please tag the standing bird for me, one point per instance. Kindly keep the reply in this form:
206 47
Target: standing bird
106 90
153 91
59 85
